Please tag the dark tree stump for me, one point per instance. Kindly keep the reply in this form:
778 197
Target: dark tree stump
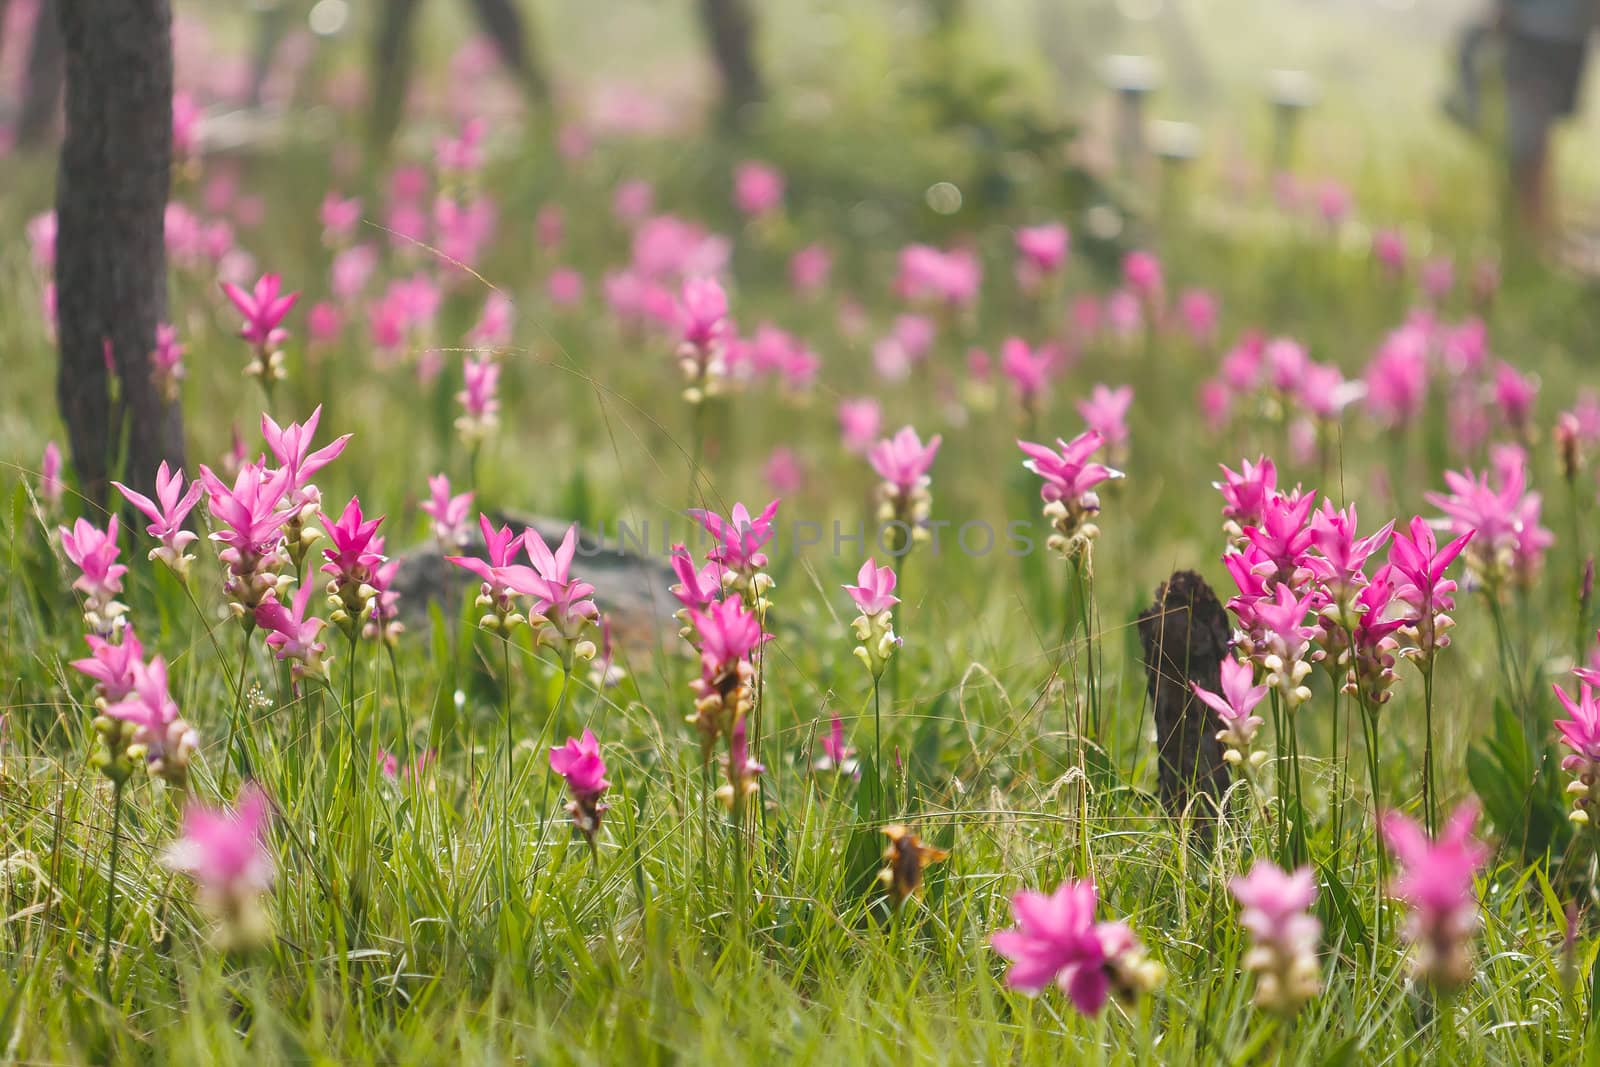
111 264
41 91
1185 637
730 32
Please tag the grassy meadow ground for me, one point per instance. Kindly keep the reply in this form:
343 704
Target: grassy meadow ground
446 917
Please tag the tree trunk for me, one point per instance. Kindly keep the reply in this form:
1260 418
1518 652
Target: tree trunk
111 268
1185 637
730 31
41 93
391 67
505 26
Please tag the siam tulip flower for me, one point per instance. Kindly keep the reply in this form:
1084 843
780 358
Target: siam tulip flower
166 363
352 269
502 579
1245 496
1515 393
464 229
809 270
1428 595
564 287
1282 642
1438 278
1285 361
1068 491
550 226
1437 888
1284 536
1283 937
264 307
874 597
1244 366
1333 203
294 636
462 155
783 471
930 276
696 590
252 514
579 762
353 560
1056 941
860 421
1141 273
738 540
905 858
1215 403
836 755
480 406
1581 734
1389 249
741 769
1503 519
1105 412
726 635
339 216
494 325
449 513
389 765
757 189
1041 253
1197 310
167 514
1340 562
291 446
1372 642
1124 316
1236 708
111 666
633 201
1568 441
225 852
702 312
1464 348
51 487
383 624
1028 370
160 735
904 503
1324 394
565 604
94 552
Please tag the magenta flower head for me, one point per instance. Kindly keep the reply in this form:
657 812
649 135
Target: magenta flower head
757 188
225 852
479 400
704 330
874 597
1340 562
1281 642
1028 369
1197 310
166 362
1041 253
737 543
160 735
111 665
291 447
251 514
565 603
741 768
874 590
1141 273
295 636
1283 937
727 635
836 754
502 579
94 552
1503 519
449 513
1284 536
1581 734
579 762
1071 502
353 560
1245 495
1105 412
860 419
167 514
1515 394
1436 885
1235 706
904 502
264 308
1421 585
696 589
809 270
51 487
1056 941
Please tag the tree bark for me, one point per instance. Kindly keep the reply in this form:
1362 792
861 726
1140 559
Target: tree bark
730 33
505 26
41 93
391 67
1185 637
111 269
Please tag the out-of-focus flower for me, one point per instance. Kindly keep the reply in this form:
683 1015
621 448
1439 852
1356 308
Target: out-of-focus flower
1283 937
166 742
448 512
166 363
1245 495
1105 412
1437 887
757 188
1503 518
479 400
837 757
94 552
1041 253
809 270
860 421
1581 734
225 852
51 487
264 308
579 762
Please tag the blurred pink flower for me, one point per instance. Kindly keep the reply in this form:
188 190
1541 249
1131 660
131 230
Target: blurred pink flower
860 421
264 308
1105 412
809 270
1436 885
449 513
783 472
1057 941
757 188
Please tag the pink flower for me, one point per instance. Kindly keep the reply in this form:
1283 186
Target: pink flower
1027 369
462 154
353 556
351 271
727 634
757 188
502 579
566 603
111 665
1141 273
783 471
167 517
1041 253
168 741
166 362
928 274
1503 518
186 119
1515 394
1426 591
94 552
1333 202
51 486
1197 310
1067 474
1236 707
1437 887
1438 278
742 769
291 446
339 217
809 269
449 513
493 329
1279 641
252 517
860 421
703 312
1245 494
479 400
633 201
550 226
1283 938
696 589
903 461
836 755
1106 412
1283 535
1057 941
1286 362
1341 560
1581 734
293 635
1389 249
564 287
580 763
874 589
263 309
739 537
1124 315
225 852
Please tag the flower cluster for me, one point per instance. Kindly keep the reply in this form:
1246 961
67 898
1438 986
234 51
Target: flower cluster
1070 500
580 764
1283 938
225 852
904 503
1436 886
874 597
